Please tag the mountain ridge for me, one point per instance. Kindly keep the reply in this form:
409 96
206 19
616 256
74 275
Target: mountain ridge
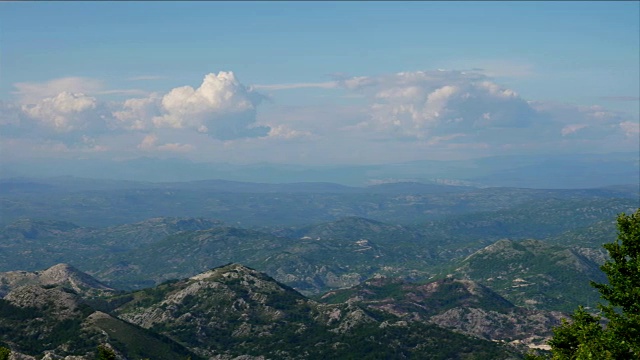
228 312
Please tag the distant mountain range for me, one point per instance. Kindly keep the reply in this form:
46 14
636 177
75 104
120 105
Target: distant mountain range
560 171
101 203
551 274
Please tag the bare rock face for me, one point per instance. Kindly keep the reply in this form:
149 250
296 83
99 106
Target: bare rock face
62 274
528 327
236 302
52 356
353 317
56 301
18 356
13 279
230 291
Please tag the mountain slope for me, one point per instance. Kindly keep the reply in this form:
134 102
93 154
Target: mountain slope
43 243
534 273
538 219
313 259
462 305
233 310
344 252
188 253
36 319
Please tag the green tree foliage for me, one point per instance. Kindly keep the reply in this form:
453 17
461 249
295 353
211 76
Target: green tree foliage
105 353
585 337
4 353
623 290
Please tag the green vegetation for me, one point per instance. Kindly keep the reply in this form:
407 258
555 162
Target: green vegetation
50 318
534 273
585 337
237 311
105 353
422 232
4 353
534 248
140 343
36 330
441 295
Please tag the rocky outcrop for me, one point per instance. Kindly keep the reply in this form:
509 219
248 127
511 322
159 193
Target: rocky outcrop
461 305
61 274
522 326
55 301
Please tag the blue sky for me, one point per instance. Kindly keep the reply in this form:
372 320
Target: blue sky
317 82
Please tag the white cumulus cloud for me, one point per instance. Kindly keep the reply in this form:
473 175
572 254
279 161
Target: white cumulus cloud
440 110
222 107
137 113
64 112
434 103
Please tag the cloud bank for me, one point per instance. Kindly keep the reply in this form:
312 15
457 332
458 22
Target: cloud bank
405 114
468 109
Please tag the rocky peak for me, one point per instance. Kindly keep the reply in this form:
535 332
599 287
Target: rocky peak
61 274
231 270
504 247
65 274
